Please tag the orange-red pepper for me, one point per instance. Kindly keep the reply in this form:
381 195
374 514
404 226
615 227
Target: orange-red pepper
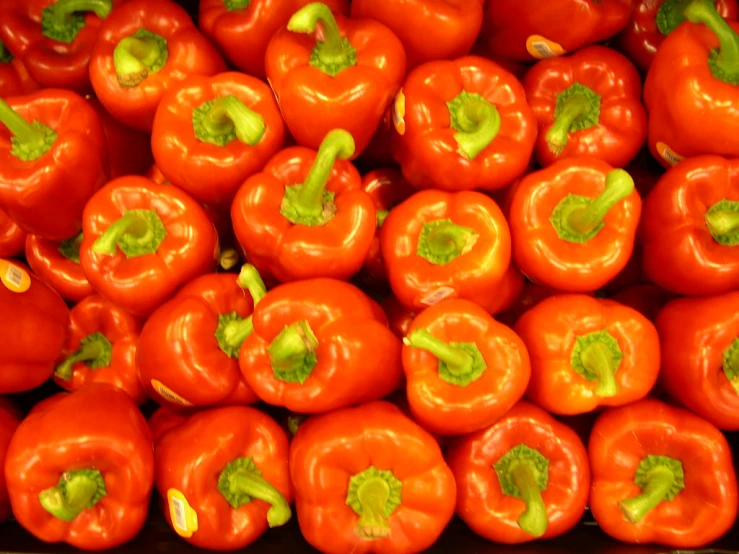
57 263
10 417
646 299
14 77
399 317
12 237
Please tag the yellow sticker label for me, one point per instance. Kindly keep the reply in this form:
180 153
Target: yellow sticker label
14 277
399 112
542 48
168 393
184 518
668 154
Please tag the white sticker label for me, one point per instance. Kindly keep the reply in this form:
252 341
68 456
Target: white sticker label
437 296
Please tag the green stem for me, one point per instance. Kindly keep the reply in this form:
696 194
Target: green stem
228 259
724 62
722 220
95 349
456 359
63 20
249 279
670 15
63 8
232 5
374 495
381 217
76 491
70 248
138 55
137 233
30 140
294 421
477 122
577 109
225 119
534 519
292 353
231 332
619 185
660 478
731 364
5 55
598 359
442 241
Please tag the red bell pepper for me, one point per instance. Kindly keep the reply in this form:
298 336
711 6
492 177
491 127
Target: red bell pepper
508 289
54 39
80 469
10 417
101 348
142 241
224 476
189 347
646 299
573 224
438 245
587 104
144 48
526 30
399 317
306 215
588 352
12 237
227 127
33 331
52 159
540 482
429 31
241 29
14 77
652 20
462 125
530 295
464 370
360 488
57 263
691 88
343 76
661 475
388 188
689 227
700 356
163 420
320 345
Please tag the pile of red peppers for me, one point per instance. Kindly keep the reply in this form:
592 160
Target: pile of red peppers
369 265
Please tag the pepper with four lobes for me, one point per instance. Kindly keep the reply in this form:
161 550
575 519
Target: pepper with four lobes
242 29
692 87
345 77
463 369
587 104
573 224
320 345
211 133
661 475
223 477
690 227
587 353
463 125
653 20
52 159
57 263
435 30
527 30
438 245
55 39
101 348
14 77
12 237
10 417
33 330
370 480
144 48
306 215
142 241
526 477
189 348
700 356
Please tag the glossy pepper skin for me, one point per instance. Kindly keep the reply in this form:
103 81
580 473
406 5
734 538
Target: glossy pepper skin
10 417
57 263
86 482
33 337
527 30
142 241
463 369
14 77
163 420
231 466
573 224
688 227
661 475
377 446
54 38
653 20
211 133
438 244
436 30
588 352
306 215
587 104
461 125
242 29
346 80
52 160
100 348
12 237
690 91
525 477
320 345
700 364
144 48
189 348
